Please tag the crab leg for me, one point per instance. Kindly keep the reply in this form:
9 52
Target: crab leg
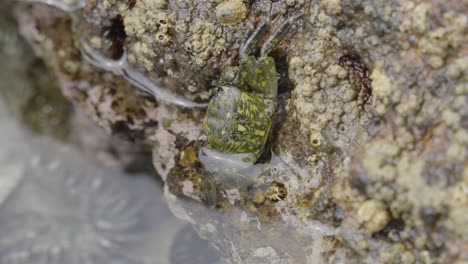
252 41
278 35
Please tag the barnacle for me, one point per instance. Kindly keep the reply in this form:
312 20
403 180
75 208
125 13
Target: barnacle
231 12
373 215
276 192
315 139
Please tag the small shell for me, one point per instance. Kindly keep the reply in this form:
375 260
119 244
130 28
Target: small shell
231 12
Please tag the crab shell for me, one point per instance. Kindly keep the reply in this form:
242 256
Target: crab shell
238 122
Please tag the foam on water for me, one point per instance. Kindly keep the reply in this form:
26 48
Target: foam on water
69 6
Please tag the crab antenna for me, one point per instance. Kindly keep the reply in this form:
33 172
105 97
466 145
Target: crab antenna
252 41
278 35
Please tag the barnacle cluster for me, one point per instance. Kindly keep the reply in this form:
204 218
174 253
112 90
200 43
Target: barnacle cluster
203 41
149 24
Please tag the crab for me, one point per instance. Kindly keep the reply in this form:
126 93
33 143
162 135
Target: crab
239 116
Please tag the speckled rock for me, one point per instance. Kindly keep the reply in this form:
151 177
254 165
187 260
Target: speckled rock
369 147
113 103
380 174
181 44
31 93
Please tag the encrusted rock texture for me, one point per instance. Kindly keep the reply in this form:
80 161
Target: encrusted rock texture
351 179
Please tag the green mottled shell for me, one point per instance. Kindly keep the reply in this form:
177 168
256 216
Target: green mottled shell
238 122
261 76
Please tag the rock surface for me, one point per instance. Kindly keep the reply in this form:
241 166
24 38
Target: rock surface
354 177
57 205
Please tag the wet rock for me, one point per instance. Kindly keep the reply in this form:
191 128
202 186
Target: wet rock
360 166
32 94
34 97
52 199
